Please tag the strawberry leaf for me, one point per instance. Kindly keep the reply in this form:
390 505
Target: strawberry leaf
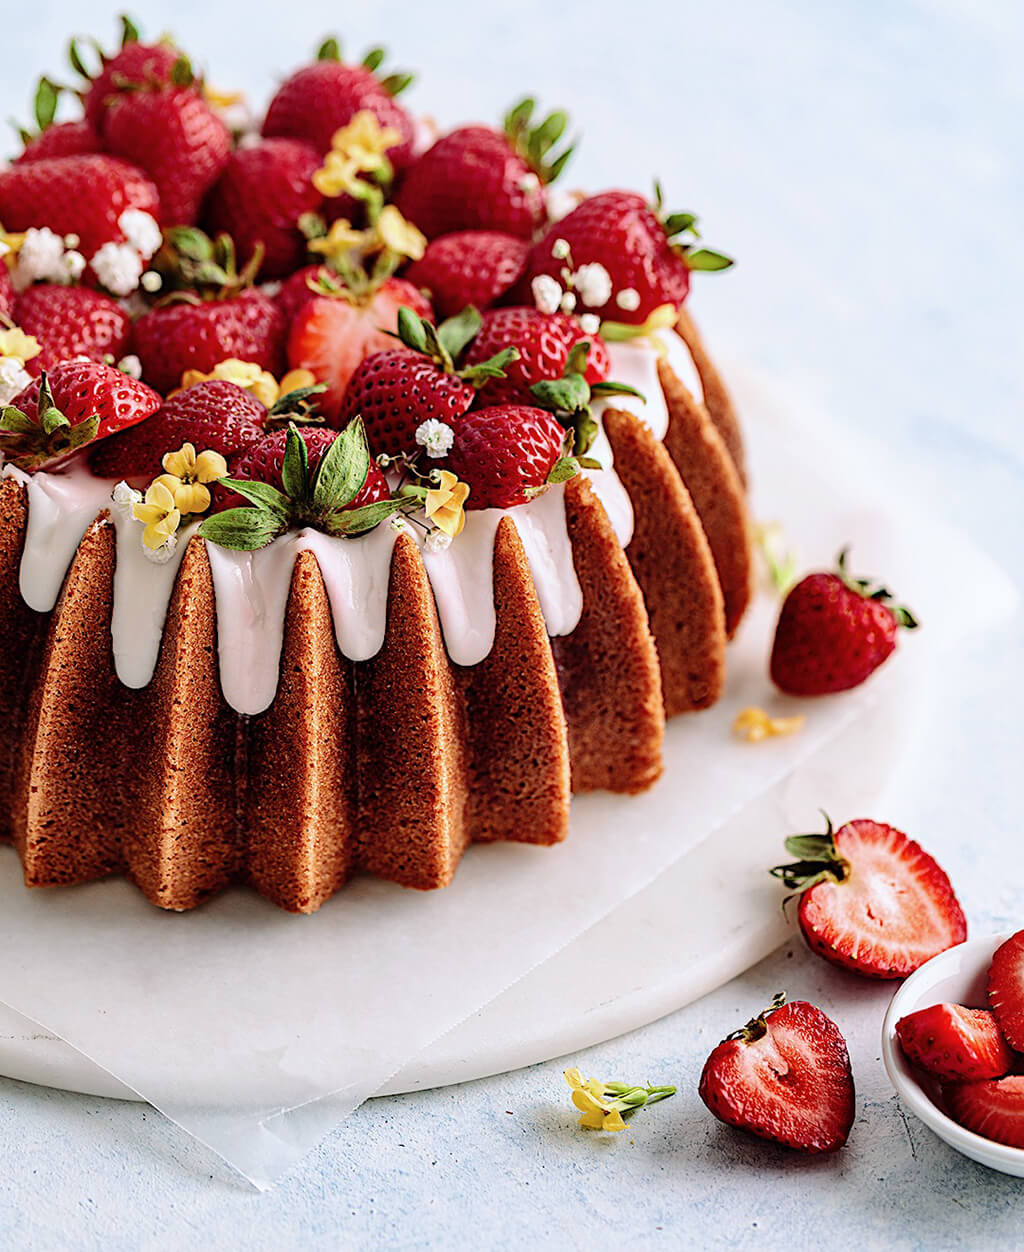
357 521
493 367
262 494
15 422
564 468
47 95
411 330
706 260
242 530
329 50
611 388
343 471
456 332
295 468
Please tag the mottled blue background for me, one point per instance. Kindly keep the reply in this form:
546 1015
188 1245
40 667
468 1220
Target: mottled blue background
863 162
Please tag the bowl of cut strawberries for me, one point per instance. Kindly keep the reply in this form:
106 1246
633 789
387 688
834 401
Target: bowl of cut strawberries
953 1046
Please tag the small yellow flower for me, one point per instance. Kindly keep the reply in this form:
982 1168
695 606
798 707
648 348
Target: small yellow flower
245 374
358 148
10 244
398 235
15 345
159 514
218 100
445 503
186 475
340 240
295 379
590 1098
754 724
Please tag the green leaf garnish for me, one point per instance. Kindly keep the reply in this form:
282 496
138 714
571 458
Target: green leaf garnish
343 470
242 530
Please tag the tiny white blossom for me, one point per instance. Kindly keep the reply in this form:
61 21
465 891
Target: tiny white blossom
398 522
437 541
124 497
118 267
141 231
435 436
41 256
529 182
629 299
151 281
272 288
590 323
594 284
130 365
560 249
13 378
568 302
74 264
72 241
251 139
547 293
161 555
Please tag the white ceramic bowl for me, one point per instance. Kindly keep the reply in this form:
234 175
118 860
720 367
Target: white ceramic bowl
957 976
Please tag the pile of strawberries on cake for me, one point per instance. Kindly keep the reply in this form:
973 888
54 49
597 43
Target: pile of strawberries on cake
177 279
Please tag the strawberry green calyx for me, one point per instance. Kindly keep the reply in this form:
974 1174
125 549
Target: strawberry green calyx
682 234
318 498
445 343
568 398
394 84
299 407
875 591
31 442
818 861
535 144
757 1027
194 267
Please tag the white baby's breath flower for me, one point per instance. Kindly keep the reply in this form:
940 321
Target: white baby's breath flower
628 299
161 555
124 497
560 249
40 257
547 293
14 378
437 437
118 267
151 281
140 229
398 522
590 323
593 283
130 365
74 265
568 302
437 541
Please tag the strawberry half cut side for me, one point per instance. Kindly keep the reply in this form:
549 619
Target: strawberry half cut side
1006 989
872 900
784 1076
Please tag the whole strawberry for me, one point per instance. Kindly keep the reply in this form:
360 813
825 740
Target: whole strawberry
300 477
786 1077
477 178
641 258
331 334
134 64
506 454
75 195
77 403
397 390
321 98
172 134
872 900
833 632
61 139
215 415
543 341
259 198
469 267
72 321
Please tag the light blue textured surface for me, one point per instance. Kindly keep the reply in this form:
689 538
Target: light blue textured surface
864 163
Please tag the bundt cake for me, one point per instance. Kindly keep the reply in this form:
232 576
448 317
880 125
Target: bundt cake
412 595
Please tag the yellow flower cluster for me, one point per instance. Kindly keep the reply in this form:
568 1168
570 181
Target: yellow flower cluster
591 1098
754 724
180 490
445 504
391 233
358 148
15 345
252 378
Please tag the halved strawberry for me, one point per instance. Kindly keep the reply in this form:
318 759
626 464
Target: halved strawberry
873 900
75 404
215 415
330 335
1006 989
785 1076
992 1109
955 1043
474 267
